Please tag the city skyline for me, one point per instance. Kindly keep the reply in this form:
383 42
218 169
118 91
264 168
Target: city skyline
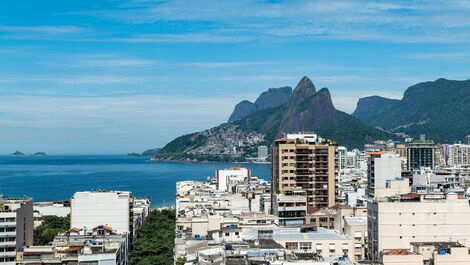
122 76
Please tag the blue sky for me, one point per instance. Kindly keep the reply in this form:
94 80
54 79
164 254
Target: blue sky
119 76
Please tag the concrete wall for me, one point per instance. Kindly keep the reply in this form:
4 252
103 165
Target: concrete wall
91 209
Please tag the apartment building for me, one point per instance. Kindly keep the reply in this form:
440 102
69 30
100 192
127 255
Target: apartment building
382 167
290 207
459 155
225 177
16 227
101 247
421 153
90 209
395 222
356 228
308 162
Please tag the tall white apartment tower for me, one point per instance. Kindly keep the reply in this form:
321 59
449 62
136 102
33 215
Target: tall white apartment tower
90 209
16 227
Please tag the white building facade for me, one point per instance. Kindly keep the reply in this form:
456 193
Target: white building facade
94 208
394 223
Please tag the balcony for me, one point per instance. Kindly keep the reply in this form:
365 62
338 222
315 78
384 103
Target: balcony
8 244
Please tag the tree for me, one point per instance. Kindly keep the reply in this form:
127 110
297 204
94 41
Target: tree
155 240
49 228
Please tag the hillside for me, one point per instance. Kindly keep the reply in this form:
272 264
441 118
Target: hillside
440 109
305 111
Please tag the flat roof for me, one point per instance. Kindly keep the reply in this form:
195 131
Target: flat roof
356 220
295 234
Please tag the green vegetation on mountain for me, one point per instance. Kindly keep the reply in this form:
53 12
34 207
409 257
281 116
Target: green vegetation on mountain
439 109
155 240
49 228
306 110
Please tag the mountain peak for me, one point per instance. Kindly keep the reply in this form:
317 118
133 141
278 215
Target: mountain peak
271 98
305 88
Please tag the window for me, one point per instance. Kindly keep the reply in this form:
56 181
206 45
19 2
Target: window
237 233
306 245
10 219
319 248
332 248
292 245
227 234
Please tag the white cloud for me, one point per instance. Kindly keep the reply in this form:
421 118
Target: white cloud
440 56
244 20
42 29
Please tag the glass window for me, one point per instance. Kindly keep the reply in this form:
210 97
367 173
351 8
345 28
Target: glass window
292 245
306 245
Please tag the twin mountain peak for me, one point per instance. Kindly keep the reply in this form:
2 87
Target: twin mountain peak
441 109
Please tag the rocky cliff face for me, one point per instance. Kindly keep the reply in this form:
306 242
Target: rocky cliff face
367 108
305 111
242 109
440 109
269 99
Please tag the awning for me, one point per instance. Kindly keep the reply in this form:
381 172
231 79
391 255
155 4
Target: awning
332 247
319 246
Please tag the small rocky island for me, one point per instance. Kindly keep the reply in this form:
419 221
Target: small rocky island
17 153
39 154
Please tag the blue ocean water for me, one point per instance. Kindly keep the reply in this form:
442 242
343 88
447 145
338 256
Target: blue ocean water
58 177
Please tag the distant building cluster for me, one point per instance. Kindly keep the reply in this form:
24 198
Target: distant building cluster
390 204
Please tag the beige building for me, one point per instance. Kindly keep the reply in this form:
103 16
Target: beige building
323 218
396 222
356 228
308 162
459 155
324 242
16 227
344 211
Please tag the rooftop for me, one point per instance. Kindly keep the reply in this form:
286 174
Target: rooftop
401 252
355 220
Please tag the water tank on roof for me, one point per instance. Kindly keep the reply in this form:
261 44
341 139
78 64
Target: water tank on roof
228 246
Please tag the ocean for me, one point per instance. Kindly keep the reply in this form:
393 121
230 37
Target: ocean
58 177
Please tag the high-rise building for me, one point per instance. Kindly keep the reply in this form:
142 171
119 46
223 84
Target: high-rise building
16 227
467 139
91 209
342 156
459 155
308 162
420 153
382 167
